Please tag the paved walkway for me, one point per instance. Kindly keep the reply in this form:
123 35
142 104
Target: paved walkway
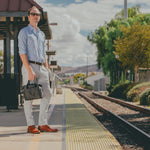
13 135
78 129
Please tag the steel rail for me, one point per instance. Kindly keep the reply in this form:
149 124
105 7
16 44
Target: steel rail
77 88
122 102
142 137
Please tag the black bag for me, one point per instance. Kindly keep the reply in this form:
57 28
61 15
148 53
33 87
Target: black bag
32 91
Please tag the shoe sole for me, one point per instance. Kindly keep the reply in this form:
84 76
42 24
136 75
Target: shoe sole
33 133
47 131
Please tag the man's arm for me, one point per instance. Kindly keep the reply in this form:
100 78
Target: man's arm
31 73
46 65
22 43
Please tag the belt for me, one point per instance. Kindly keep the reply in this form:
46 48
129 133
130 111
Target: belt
34 62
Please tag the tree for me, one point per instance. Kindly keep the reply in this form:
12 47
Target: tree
105 36
99 37
133 47
79 76
132 12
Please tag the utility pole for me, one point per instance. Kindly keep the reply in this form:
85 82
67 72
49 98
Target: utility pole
87 67
125 9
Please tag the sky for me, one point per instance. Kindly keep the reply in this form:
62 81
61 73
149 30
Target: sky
76 20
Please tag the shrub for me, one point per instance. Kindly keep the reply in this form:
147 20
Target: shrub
145 97
109 88
133 94
67 81
120 90
85 85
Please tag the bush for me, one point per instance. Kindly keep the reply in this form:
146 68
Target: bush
133 94
109 88
133 97
145 97
120 90
85 85
67 81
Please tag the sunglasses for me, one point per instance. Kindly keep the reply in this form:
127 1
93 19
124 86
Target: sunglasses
34 14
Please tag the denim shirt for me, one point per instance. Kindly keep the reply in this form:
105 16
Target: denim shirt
32 43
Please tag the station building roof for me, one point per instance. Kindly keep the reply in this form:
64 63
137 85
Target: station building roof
14 12
17 5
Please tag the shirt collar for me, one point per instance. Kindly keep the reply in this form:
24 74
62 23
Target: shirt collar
32 28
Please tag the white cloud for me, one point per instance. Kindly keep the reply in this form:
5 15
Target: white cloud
73 48
78 1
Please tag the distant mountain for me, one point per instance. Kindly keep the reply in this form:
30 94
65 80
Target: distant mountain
82 69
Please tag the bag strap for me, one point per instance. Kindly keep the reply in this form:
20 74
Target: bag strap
34 81
28 82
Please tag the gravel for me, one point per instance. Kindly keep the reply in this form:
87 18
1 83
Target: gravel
124 138
137 118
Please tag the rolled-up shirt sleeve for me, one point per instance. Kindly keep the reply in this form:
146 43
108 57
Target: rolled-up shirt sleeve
22 42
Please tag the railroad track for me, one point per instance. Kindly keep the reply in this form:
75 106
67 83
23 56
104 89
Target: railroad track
140 108
142 137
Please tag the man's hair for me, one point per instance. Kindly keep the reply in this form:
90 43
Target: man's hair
33 7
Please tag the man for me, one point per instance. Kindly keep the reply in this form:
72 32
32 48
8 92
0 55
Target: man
31 43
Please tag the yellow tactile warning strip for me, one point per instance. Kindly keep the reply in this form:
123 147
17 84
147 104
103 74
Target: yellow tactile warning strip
83 132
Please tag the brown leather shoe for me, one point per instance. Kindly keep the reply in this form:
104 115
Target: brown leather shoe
46 128
33 129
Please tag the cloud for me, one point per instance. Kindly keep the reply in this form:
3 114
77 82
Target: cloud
77 19
72 47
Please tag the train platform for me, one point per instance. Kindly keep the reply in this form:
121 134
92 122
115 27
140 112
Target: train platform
78 129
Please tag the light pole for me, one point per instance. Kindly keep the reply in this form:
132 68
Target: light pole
87 67
125 9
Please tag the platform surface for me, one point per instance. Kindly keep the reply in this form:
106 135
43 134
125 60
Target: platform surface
78 129
83 131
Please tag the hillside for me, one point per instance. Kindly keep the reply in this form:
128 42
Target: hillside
91 68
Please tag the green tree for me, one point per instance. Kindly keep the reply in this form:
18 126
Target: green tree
99 37
105 36
133 47
79 76
132 12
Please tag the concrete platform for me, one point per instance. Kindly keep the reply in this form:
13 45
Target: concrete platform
78 129
83 131
13 129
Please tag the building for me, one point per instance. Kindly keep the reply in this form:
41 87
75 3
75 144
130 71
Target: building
98 81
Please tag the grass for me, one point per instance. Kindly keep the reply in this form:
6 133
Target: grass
133 94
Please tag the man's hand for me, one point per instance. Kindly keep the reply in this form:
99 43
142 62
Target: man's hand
47 66
31 75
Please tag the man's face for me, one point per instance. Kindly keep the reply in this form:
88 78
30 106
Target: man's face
34 16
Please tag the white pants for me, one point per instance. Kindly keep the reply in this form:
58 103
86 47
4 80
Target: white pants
42 78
